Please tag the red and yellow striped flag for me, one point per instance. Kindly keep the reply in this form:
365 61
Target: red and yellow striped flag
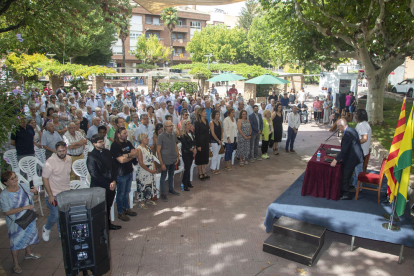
393 155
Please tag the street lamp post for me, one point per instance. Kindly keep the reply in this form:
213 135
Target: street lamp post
208 60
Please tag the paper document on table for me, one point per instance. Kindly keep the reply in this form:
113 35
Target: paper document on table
335 149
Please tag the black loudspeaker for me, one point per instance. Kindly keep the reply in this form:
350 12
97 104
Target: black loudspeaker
84 231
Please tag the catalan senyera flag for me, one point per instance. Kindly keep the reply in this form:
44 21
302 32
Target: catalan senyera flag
403 166
393 155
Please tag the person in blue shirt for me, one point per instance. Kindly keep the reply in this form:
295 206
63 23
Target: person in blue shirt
209 110
284 101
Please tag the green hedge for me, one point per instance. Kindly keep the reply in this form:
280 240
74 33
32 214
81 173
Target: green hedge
189 87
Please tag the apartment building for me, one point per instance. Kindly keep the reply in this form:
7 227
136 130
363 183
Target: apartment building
145 23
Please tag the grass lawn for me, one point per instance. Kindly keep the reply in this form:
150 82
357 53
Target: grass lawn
385 134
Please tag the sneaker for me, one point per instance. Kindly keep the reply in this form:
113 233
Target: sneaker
258 159
130 213
252 160
45 234
267 156
264 156
123 217
245 162
174 193
164 197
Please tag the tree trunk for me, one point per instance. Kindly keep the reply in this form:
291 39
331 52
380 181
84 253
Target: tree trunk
123 55
203 85
171 48
375 98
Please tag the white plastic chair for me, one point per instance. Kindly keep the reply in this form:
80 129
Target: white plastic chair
77 184
40 154
157 178
80 169
86 150
28 165
10 157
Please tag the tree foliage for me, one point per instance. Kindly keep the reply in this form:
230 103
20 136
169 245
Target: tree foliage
70 28
248 71
365 30
251 9
40 65
170 18
226 45
150 50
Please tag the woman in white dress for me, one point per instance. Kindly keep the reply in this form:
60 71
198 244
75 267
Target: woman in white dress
146 169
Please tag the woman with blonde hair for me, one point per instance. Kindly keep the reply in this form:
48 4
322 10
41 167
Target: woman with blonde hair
202 139
188 151
267 133
146 168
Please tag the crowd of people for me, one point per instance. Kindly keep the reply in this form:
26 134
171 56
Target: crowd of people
123 128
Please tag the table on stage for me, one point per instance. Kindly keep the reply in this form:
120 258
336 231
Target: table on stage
322 180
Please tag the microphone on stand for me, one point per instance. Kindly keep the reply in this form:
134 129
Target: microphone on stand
322 146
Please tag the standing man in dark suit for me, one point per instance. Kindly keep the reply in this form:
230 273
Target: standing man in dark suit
256 123
351 155
103 173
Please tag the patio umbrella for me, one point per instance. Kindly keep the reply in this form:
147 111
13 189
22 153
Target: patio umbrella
267 79
226 77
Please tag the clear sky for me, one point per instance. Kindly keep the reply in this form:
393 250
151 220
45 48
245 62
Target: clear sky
231 9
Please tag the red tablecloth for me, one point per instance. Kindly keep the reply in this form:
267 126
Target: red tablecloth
321 180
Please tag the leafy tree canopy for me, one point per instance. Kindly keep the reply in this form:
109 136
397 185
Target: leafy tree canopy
365 30
38 64
248 71
150 50
170 18
70 28
251 9
226 45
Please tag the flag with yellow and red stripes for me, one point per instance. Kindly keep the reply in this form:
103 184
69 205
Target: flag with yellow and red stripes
393 155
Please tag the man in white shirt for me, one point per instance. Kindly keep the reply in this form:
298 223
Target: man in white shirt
293 126
128 101
75 143
92 102
161 112
216 99
302 95
271 105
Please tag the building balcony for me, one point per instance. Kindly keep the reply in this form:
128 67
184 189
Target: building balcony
179 42
181 56
182 28
153 26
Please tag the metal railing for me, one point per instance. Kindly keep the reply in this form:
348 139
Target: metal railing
179 54
182 40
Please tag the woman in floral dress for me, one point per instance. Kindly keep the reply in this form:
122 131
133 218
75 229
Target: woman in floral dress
146 168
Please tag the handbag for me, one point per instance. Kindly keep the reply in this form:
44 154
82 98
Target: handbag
28 217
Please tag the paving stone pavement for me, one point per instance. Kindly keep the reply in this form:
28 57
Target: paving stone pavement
217 229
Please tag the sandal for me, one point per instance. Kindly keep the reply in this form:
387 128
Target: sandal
241 164
206 176
150 202
201 177
17 269
142 206
32 256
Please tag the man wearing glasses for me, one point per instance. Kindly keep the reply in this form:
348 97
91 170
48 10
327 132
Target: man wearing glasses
173 115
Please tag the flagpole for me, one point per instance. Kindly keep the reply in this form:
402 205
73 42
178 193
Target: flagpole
390 225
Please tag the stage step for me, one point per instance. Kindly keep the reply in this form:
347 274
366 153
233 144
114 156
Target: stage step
295 240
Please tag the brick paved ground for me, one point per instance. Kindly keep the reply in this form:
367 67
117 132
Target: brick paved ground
217 229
